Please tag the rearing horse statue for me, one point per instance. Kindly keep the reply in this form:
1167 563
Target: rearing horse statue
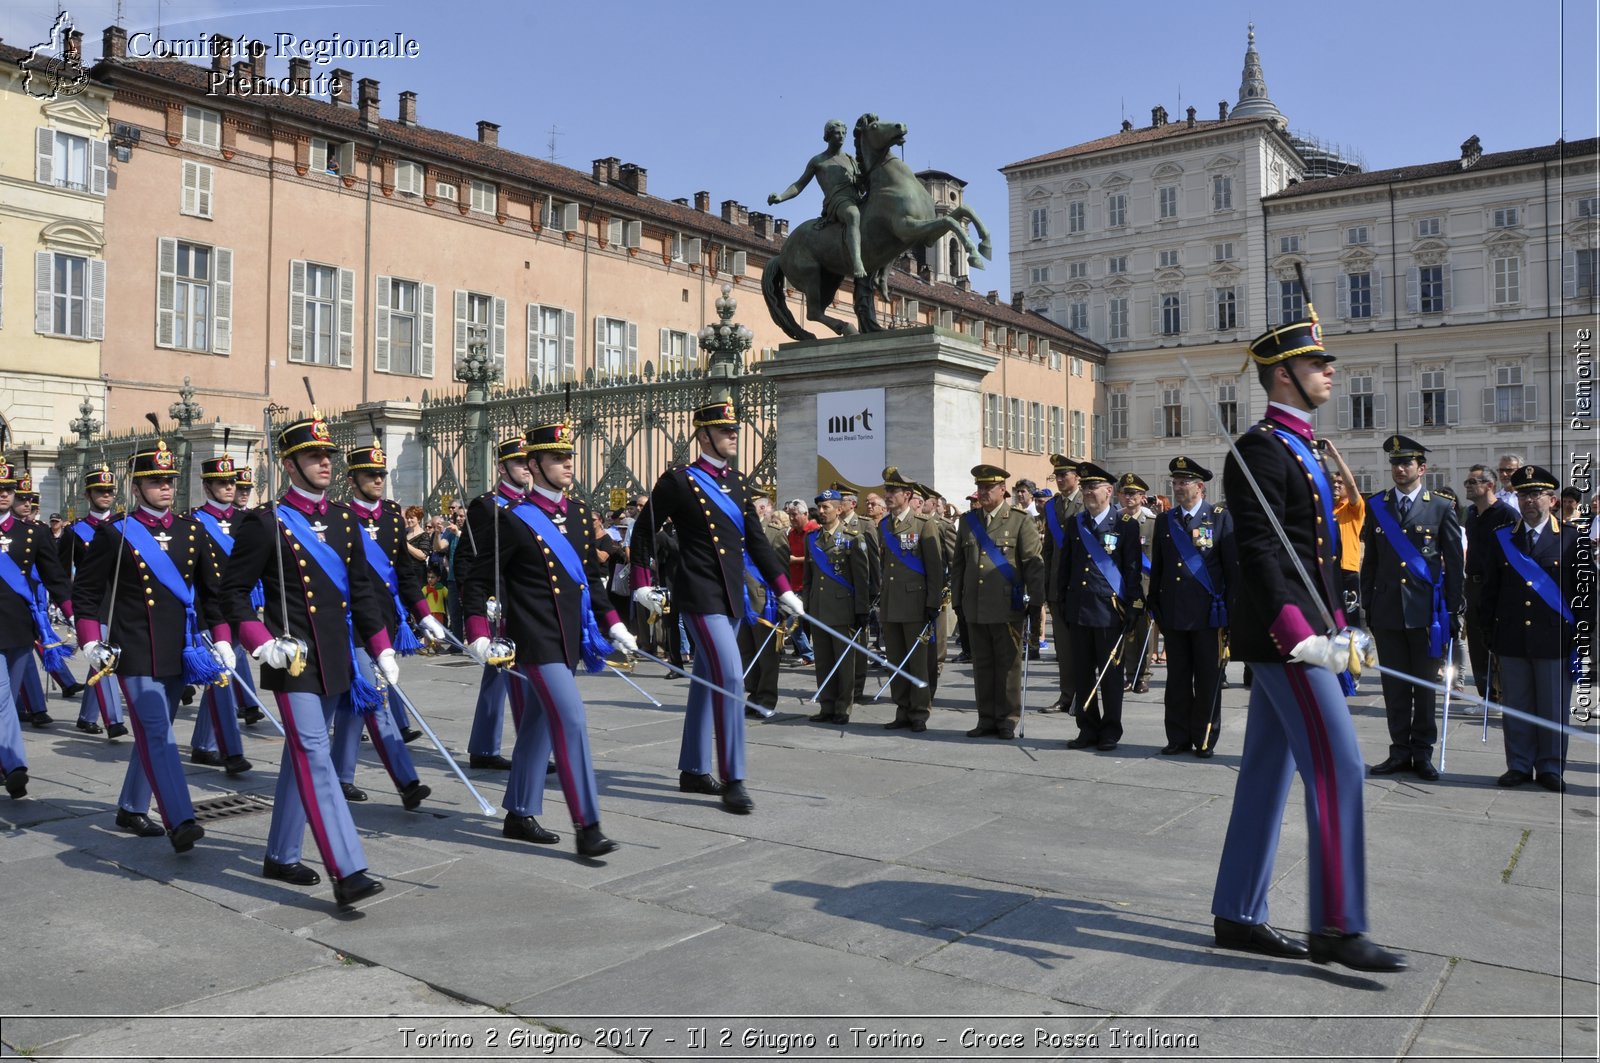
896 215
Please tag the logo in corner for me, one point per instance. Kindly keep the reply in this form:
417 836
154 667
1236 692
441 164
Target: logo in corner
54 67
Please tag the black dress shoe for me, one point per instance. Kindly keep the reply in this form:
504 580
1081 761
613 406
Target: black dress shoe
963 658
1256 937
527 829
1033 655
1082 742
352 888
1390 766
17 782
295 874
251 716
1425 770
409 735
983 730
73 691
1172 749
1513 778
138 823
821 717
736 799
41 719
1355 952
413 794
897 725
918 727
116 730
90 727
696 782
205 756
1551 781
491 761
1205 753
1142 686
188 695
839 717
1106 745
593 844
184 835
1006 734
551 769
236 765
352 792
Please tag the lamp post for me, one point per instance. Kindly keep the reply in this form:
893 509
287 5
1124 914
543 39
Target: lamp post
477 370
186 412
86 424
725 343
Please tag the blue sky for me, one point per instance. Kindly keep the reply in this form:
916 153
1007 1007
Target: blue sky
731 98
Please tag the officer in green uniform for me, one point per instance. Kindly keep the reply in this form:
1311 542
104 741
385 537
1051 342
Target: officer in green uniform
837 593
857 524
995 570
913 594
1134 491
933 510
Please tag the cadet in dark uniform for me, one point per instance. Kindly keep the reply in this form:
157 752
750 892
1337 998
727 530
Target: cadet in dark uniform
1411 577
837 581
1528 588
1140 648
102 699
1102 597
217 722
994 572
1298 719
913 594
1059 511
1190 562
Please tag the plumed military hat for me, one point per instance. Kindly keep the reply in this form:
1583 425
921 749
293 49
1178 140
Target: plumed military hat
158 460
8 474
309 434
370 459
719 413
1183 468
99 477
218 468
550 438
1287 341
511 447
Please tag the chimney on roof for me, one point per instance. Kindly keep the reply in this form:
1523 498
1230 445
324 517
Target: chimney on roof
634 178
702 202
408 108
368 89
964 283
1471 151
1191 118
1016 301
221 51
72 47
300 76
241 71
489 133
925 273
256 59
735 213
993 296
1127 126
761 224
682 202
114 43
339 87
1222 110
600 171
1158 116
780 228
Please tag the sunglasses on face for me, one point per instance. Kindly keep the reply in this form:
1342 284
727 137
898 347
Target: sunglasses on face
1473 481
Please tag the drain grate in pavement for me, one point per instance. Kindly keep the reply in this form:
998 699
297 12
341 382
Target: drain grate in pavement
230 807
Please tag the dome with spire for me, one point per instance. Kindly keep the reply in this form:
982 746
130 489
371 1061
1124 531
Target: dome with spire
1253 99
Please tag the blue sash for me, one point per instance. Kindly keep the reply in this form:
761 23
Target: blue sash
1052 520
198 664
1542 585
405 643
1319 476
892 541
819 557
593 646
1413 561
364 697
84 530
709 487
54 650
977 522
258 593
1097 555
1195 562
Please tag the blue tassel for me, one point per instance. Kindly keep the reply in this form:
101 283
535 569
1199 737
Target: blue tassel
364 697
55 654
594 647
1347 683
258 596
405 642
199 667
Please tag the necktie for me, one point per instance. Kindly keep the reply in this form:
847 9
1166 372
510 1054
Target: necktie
1184 518
1405 507
1533 539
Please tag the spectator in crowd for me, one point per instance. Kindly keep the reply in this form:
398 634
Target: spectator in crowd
801 523
1350 514
1509 464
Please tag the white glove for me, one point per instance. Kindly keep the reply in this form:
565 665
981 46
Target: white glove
623 639
388 667
1324 652
272 654
492 611
790 603
650 600
222 653
434 630
478 649
98 654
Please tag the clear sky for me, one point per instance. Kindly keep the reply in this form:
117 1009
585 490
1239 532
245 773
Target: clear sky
731 98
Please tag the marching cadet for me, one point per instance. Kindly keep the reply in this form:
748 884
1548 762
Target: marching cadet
719 536
244 482
760 642
1059 512
1134 492
306 647
1529 577
395 582
546 547
1190 560
217 722
100 489
995 570
1411 579
913 595
1102 601
494 687
146 591
1298 718
836 593
25 508
24 548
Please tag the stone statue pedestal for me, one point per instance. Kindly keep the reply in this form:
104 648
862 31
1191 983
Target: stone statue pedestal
932 403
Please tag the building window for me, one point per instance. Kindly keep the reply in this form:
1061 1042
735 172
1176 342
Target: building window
993 421
72 162
1430 290
1167 201
1436 406
1078 317
1117 310
1428 227
1117 264
70 296
1507 281
1291 301
202 127
336 157
1171 314
479 319
399 328
1507 218
1589 207
321 314
1172 425
1359 389
1355 236
1039 275
1228 406
677 351
1117 412
322 306
485 197
1078 440
1036 427
1058 430
1222 252
1359 289
196 198
1289 245
408 177
552 345
1041 222
1168 259
192 298
616 347
446 191
1221 192
1077 271
1075 217
1076 366
1510 401
1227 309
1116 210
1016 426
1579 270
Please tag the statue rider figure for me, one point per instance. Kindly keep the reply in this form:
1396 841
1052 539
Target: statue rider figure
837 175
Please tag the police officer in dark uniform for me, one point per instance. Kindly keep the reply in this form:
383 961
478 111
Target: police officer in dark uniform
1411 578
1190 561
913 594
102 699
1059 511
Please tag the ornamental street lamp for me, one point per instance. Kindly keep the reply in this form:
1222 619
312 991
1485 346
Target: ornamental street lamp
725 343
477 370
